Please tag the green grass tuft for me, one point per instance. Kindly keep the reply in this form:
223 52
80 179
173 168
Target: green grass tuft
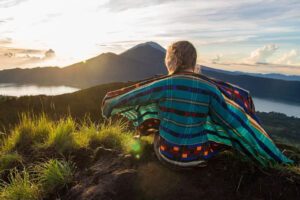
30 131
114 135
61 138
9 160
19 187
83 137
54 174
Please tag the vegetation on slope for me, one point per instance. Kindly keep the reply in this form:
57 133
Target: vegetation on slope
38 157
88 103
282 128
45 159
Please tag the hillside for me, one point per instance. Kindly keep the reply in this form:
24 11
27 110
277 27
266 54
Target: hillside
88 102
135 64
78 104
45 159
273 89
64 154
269 75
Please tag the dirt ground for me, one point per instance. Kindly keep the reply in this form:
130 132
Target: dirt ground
117 176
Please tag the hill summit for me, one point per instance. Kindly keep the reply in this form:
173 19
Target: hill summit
45 159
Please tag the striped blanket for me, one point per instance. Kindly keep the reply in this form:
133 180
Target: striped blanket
190 110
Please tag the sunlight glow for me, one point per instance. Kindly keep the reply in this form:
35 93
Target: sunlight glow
77 30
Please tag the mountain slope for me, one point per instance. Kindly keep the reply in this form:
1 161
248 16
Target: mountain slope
270 75
140 62
143 61
261 87
149 52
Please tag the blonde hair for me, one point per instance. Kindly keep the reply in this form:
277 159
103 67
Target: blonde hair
180 55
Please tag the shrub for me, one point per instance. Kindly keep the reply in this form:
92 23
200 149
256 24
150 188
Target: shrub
54 174
19 187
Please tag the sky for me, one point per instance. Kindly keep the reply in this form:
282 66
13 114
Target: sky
260 36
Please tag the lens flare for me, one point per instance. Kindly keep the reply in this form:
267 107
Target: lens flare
136 146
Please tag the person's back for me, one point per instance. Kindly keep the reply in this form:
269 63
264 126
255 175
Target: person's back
193 118
183 111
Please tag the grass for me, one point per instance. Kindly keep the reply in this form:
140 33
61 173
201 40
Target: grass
294 170
39 138
61 138
9 161
19 187
54 174
113 135
46 178
34 133
84 135
30 131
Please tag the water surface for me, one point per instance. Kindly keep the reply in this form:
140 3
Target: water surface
26 90
266 105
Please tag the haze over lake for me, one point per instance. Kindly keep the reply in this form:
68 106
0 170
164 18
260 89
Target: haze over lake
23 90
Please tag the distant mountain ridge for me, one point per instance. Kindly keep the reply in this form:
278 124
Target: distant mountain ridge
270 75
140 62
273 89
143 61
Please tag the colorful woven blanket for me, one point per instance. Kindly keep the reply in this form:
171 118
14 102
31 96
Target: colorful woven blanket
190 110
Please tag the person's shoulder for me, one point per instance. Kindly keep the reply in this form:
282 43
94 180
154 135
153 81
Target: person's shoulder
199 78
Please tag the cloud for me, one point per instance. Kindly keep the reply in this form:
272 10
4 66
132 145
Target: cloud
86 29
5 41
261 55
10 3
289 58
217 58
49 54
21 51
5 19
14 57
121 5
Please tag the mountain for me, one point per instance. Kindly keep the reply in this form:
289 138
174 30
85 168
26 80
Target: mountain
278 76
151 53
143 61
270 75
273 89
140 62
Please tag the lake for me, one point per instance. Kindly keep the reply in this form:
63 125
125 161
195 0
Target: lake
22 90
266 105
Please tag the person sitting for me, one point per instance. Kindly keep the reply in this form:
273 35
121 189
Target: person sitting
194 116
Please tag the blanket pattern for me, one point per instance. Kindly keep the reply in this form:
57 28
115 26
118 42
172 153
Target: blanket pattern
252 140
